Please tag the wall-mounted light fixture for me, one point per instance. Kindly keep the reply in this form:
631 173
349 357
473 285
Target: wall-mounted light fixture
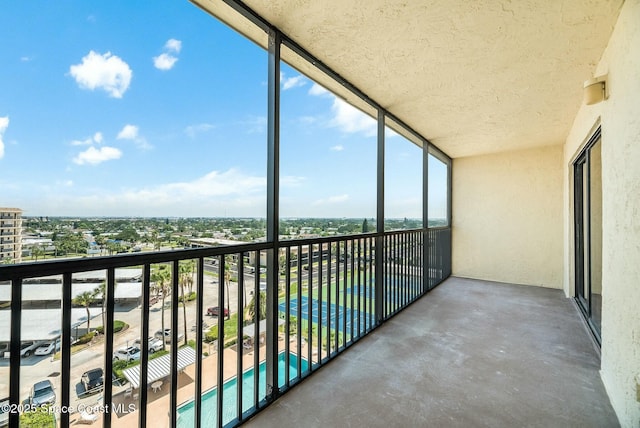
595 90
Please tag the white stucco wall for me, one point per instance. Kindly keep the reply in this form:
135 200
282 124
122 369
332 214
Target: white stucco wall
620 120
507 217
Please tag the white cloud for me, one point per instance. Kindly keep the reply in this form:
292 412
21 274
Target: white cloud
346 117
107 72
25 58
164 61
97 138
173 45
4 124
337 148
292 82
129 132
193 130
318 90
95 156
332 200
351 120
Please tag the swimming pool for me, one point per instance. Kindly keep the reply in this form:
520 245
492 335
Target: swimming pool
186 414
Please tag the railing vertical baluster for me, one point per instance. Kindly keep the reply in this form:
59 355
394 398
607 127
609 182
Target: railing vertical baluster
321 321
108 346
240 335
144 357
369 284
336 286
65 348
287 309
220 361
310 308
199 334
344 293
14 350
353 290
175 276
299 318
398 272
257 297
328 303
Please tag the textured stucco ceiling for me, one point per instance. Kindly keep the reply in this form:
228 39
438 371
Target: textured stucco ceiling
473 77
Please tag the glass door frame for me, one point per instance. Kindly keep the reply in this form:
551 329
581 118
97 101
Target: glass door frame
582 233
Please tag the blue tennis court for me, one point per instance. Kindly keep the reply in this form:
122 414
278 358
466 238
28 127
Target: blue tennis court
301 309
362 290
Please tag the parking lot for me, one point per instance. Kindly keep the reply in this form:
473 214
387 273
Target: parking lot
36 368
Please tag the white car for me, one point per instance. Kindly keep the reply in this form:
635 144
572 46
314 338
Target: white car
48 347
153 344
26 348
167 335
127 354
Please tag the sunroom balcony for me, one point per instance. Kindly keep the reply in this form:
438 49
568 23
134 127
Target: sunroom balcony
465 353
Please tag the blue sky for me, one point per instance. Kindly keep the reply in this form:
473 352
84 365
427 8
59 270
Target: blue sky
130 108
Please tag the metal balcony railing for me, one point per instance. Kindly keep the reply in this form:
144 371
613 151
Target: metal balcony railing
271 326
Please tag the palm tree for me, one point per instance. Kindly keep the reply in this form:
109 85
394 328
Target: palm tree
251 308
101 292
37 251
161 277
185 269
227 279
85 299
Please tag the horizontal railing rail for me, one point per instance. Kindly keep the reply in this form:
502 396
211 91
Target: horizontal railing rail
212 300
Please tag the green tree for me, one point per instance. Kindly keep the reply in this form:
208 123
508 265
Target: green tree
37 251
365 226
85 299
40 417
161 278
128 234
251 308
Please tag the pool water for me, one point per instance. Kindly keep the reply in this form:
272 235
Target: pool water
186 416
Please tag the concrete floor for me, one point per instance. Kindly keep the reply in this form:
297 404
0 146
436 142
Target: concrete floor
470 354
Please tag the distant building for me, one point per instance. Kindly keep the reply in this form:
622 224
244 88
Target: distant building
10 235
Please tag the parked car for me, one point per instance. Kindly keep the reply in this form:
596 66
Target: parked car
92 380
215 310
167 335
127 354
47 348
26 348
153 344
42 393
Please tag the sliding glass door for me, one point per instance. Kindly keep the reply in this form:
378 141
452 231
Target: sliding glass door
587 170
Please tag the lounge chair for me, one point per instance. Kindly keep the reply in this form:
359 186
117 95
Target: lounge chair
87 418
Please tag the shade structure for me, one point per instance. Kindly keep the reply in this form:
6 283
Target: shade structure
160 367
250 330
